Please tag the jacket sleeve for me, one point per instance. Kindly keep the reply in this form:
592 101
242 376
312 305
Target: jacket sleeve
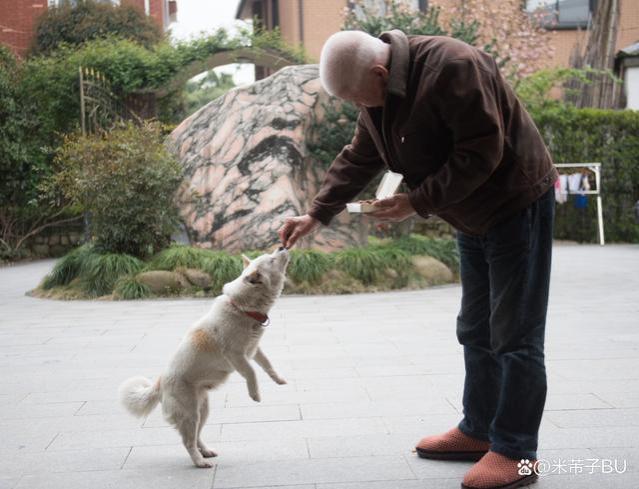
355 166
466 101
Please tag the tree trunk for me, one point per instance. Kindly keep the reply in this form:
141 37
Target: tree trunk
599 54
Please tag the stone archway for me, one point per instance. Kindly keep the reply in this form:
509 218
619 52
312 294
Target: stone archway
267 58
144 102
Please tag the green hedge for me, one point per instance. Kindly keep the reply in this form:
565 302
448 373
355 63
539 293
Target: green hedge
593 135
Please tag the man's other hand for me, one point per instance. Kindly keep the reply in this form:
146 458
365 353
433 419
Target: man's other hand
393 209
297 227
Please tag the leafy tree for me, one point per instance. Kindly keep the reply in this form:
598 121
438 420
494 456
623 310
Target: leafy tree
535 90
396 14
24 211
201 92
126 179
18 159
90 19
516 39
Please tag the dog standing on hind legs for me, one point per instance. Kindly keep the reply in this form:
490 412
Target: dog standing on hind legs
221 342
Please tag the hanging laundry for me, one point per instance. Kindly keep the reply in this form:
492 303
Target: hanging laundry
581 183
574 182
561 189
581 201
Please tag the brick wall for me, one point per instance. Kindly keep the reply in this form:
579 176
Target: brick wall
18 19
17 22
321 19
289 24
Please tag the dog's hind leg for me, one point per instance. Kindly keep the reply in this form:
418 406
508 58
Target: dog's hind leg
204 413
185 416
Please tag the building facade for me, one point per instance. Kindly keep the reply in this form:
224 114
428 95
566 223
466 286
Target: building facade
310 22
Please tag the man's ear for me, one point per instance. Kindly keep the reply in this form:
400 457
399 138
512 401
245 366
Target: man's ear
380 71
246 260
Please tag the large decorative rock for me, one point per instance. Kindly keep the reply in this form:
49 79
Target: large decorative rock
247 166
434 271
161 282
196 277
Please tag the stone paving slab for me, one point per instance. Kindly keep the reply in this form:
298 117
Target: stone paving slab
368 375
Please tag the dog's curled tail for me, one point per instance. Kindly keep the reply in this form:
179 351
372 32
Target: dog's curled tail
139 395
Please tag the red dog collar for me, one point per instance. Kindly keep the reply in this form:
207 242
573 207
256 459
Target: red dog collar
260 317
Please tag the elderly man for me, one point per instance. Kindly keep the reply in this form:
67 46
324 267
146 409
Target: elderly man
439 112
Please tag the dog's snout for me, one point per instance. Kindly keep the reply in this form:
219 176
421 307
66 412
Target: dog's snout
282 248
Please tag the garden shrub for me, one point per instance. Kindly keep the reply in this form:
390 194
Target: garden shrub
126 180
89 19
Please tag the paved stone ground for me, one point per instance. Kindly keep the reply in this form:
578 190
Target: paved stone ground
368 376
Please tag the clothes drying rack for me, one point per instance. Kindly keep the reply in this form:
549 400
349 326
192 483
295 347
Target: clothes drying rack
596 169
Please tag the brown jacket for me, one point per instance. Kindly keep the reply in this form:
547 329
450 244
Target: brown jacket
452 125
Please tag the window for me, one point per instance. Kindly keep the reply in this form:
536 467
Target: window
563 14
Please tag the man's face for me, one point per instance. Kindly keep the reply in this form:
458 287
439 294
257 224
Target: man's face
372 91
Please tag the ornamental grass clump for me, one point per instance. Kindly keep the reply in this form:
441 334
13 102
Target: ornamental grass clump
308 266
129 288
444 250
363 264
101 272
223 268
177 256
68 267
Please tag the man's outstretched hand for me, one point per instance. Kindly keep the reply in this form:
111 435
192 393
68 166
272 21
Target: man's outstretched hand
394 209
297 227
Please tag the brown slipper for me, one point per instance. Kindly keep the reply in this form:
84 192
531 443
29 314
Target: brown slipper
494 471
452 445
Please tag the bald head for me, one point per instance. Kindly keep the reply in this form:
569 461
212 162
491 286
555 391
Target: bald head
350 62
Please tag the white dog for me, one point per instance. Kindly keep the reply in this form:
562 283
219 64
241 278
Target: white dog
220 343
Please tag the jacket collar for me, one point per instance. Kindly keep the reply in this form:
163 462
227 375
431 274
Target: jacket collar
398 73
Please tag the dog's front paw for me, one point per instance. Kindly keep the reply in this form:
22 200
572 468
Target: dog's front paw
255 396
279 380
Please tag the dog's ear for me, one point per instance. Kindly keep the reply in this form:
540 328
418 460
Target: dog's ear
246 260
